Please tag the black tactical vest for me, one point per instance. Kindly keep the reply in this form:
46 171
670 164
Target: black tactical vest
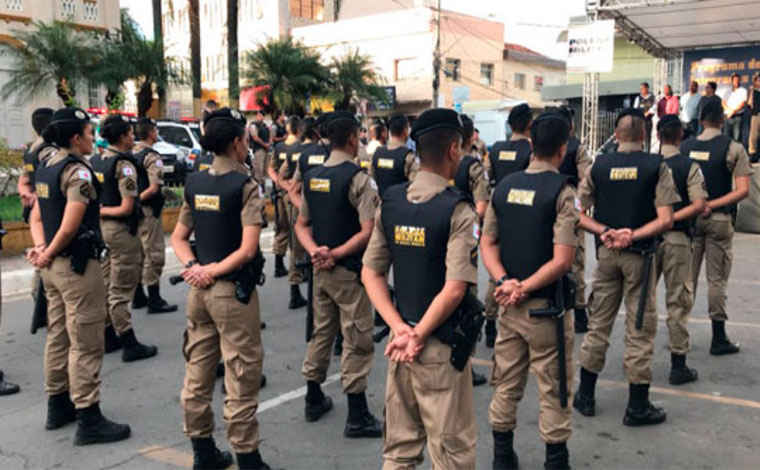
462 177
105 171
508 157
313 155
32 160
388 167
155 202
569 166
262 131
710 155
755 102
679 167
624 190
203 161
531 199
286 153
418 235
52 201
333 219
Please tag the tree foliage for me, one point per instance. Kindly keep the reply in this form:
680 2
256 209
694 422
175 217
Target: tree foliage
353 79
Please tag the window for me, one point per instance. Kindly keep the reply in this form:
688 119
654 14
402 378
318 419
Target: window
538 82
312 9
486 74
408 69
14 5
68 8
93 94
452 70
90 11
520 81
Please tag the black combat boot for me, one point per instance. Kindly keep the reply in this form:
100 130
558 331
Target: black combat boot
721 345
7 388
317 403
584 401
680 373
139 300
580 320
61 411
490 333
251 461
156 304
360 422
112 341
504 456
478 379
94 428
338 346
557 457
133 349
279 266
207 456
220 369
640 411
296 299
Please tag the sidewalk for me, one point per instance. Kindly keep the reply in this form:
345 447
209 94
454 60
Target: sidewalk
17 272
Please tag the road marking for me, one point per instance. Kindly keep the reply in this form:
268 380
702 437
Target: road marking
293 394
481 362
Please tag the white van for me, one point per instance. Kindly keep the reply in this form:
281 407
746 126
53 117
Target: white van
490 118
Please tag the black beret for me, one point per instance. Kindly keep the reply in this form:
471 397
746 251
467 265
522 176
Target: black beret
115 118
668 120
42 112
342 116
146 120
70 115
437 118
552 119
398 117
322 119
566 112
226 114
712 107
635 112
519 111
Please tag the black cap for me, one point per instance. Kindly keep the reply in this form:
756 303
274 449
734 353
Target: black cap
553 119
635 112
341 116
398 117
519 111
42 112
712 107
146 120
668 120
114 118
437 118
227 114
70 115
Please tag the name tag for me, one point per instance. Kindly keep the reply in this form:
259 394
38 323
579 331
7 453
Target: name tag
701 156
523 197
294 157
206 203
364 164
282 156
507 156
624 173
320 185
451 182
203 166
409 236
385 163
29 167
42 190
316 159
100 176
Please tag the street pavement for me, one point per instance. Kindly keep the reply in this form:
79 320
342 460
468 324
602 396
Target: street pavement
712 423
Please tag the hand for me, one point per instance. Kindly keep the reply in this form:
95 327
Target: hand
28 199
707 212
42 259
33 253
517 297
199 276
501 293
405 347
322 259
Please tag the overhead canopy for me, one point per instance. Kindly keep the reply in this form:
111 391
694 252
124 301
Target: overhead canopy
662 27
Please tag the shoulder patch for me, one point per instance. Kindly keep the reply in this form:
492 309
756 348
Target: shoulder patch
127 171
476 231
130 185
373 183
577 203
85 175
159 163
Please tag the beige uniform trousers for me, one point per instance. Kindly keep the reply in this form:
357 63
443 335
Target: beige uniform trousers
151 233
674 263
297 253
260 165
340 301
121 272
522 343
492 307
282 228
754 133
618 275
429 402
579 272
219 325
713 238
76 319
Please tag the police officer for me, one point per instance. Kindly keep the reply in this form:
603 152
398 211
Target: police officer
725 165
574 165
120 214
394 163
279 132
508 156
7 388
218 323
528 259
283 151
260 141
66 232
378 133
674 252
334 226
150 180
632 193
425 230
203 161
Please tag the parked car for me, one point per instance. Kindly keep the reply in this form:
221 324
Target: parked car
183 136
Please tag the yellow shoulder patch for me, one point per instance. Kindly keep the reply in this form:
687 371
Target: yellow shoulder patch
42 190
630 173
295 156
405 235
523 197
100 176
203 166
29 167
282 156
321 185
701 156
206 203
364 163
507 155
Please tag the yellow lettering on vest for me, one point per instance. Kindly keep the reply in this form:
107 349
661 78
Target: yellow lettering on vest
203 167
206 203
385 163
364 163
409 236
701 156
282 156
42 190
100 176
624 173
451 182
316 159
294 157
523 197
507 155
29 167
320 185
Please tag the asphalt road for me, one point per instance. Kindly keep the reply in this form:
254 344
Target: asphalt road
712 423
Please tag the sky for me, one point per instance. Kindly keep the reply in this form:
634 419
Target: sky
536 27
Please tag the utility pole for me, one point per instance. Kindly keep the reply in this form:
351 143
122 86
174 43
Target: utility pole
437 55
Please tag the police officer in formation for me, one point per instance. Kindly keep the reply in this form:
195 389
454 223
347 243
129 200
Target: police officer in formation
334 225
425 230
283 151
726 168
150 181
260 141
394 163
219 322
120 215
528 259
65 227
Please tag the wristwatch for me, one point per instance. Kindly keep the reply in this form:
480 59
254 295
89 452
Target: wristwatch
191 263
502 280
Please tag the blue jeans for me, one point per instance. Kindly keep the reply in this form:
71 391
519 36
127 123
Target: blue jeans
733 127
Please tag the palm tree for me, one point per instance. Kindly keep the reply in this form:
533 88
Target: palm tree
50 55
233 75
158 36
353 78
195 54
290 70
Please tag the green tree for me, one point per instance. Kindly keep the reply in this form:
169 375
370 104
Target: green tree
233 72
50 55
353 79
291 70
193 13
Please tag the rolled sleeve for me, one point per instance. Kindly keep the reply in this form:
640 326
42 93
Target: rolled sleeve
479 182
461 250
377 256
568 216
127 177
76 184
155 169
185 216
252 205
586 190
695 184
666 193
363 196
737 160
490 224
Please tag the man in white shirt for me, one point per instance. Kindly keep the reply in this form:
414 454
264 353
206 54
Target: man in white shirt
734 102
689 104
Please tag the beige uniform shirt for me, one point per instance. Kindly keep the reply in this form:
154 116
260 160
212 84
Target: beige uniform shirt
411 162
463 234
582 160
126 175
362 193
478 180
252 201
76 180
48 152
363 158
568 214
695 183
487 161
154 167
